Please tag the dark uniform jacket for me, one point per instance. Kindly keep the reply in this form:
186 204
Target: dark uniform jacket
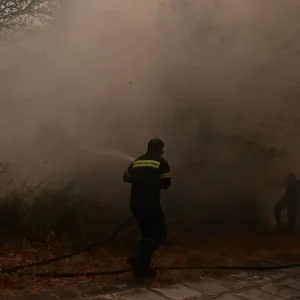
148 174
292 190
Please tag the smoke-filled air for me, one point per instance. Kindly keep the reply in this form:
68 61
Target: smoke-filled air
218 81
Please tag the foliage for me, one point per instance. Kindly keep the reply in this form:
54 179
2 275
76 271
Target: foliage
37 213
17 14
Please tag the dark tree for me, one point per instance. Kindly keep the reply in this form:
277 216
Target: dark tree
16 14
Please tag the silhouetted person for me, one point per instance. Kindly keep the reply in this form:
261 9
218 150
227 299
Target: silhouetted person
289 201
148 174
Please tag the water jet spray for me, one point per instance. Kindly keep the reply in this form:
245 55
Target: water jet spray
119 154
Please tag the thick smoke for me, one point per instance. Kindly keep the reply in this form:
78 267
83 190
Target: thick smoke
217 80
232 73
86 89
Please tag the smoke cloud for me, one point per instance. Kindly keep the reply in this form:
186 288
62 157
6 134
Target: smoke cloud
217 80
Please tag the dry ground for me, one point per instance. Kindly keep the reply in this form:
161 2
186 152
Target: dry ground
190 249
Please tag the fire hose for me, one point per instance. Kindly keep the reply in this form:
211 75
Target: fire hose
115 233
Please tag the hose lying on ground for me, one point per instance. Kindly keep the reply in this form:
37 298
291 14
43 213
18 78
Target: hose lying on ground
15 269
172 268
58 258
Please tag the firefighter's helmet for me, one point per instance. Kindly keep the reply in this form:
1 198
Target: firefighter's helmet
156 145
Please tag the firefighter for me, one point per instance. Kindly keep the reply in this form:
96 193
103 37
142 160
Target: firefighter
148 175
290 201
